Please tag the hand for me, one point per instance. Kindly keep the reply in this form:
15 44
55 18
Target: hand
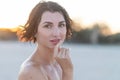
63 58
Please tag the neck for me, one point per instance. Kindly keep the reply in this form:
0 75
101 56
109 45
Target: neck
44 55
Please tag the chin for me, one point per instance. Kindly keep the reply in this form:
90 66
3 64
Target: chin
53 46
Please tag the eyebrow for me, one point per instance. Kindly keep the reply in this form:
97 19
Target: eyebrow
52 23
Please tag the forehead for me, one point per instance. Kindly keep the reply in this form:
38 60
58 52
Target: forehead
52 17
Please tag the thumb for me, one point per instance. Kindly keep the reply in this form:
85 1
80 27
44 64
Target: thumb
57 49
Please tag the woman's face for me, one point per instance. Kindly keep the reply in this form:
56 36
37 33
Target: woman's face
51 29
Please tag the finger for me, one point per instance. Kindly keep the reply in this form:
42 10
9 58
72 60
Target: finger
58 45
68 54
57 49
63 55
60 54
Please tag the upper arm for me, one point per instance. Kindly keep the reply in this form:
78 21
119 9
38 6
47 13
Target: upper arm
31 73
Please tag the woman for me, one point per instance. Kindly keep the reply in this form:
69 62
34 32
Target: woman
48 25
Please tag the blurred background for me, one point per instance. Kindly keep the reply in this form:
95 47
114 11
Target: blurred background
95 44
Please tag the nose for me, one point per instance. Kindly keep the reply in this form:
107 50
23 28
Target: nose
56 32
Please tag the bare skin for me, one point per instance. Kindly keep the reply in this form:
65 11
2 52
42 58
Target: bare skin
61 69
49 61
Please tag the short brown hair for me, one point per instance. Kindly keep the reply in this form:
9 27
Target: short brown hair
30 28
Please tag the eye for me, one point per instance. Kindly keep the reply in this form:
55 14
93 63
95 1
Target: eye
62 25
47 26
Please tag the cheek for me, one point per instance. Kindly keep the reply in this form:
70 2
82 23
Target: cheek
64 32
41 34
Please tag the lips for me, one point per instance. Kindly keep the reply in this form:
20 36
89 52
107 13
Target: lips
55 41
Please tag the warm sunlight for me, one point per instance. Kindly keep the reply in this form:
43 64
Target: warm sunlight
15 12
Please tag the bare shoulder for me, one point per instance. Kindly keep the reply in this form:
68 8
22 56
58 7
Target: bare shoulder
31 71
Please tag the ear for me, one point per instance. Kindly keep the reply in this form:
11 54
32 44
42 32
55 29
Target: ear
69 34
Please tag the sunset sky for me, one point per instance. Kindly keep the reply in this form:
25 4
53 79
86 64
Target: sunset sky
15 12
